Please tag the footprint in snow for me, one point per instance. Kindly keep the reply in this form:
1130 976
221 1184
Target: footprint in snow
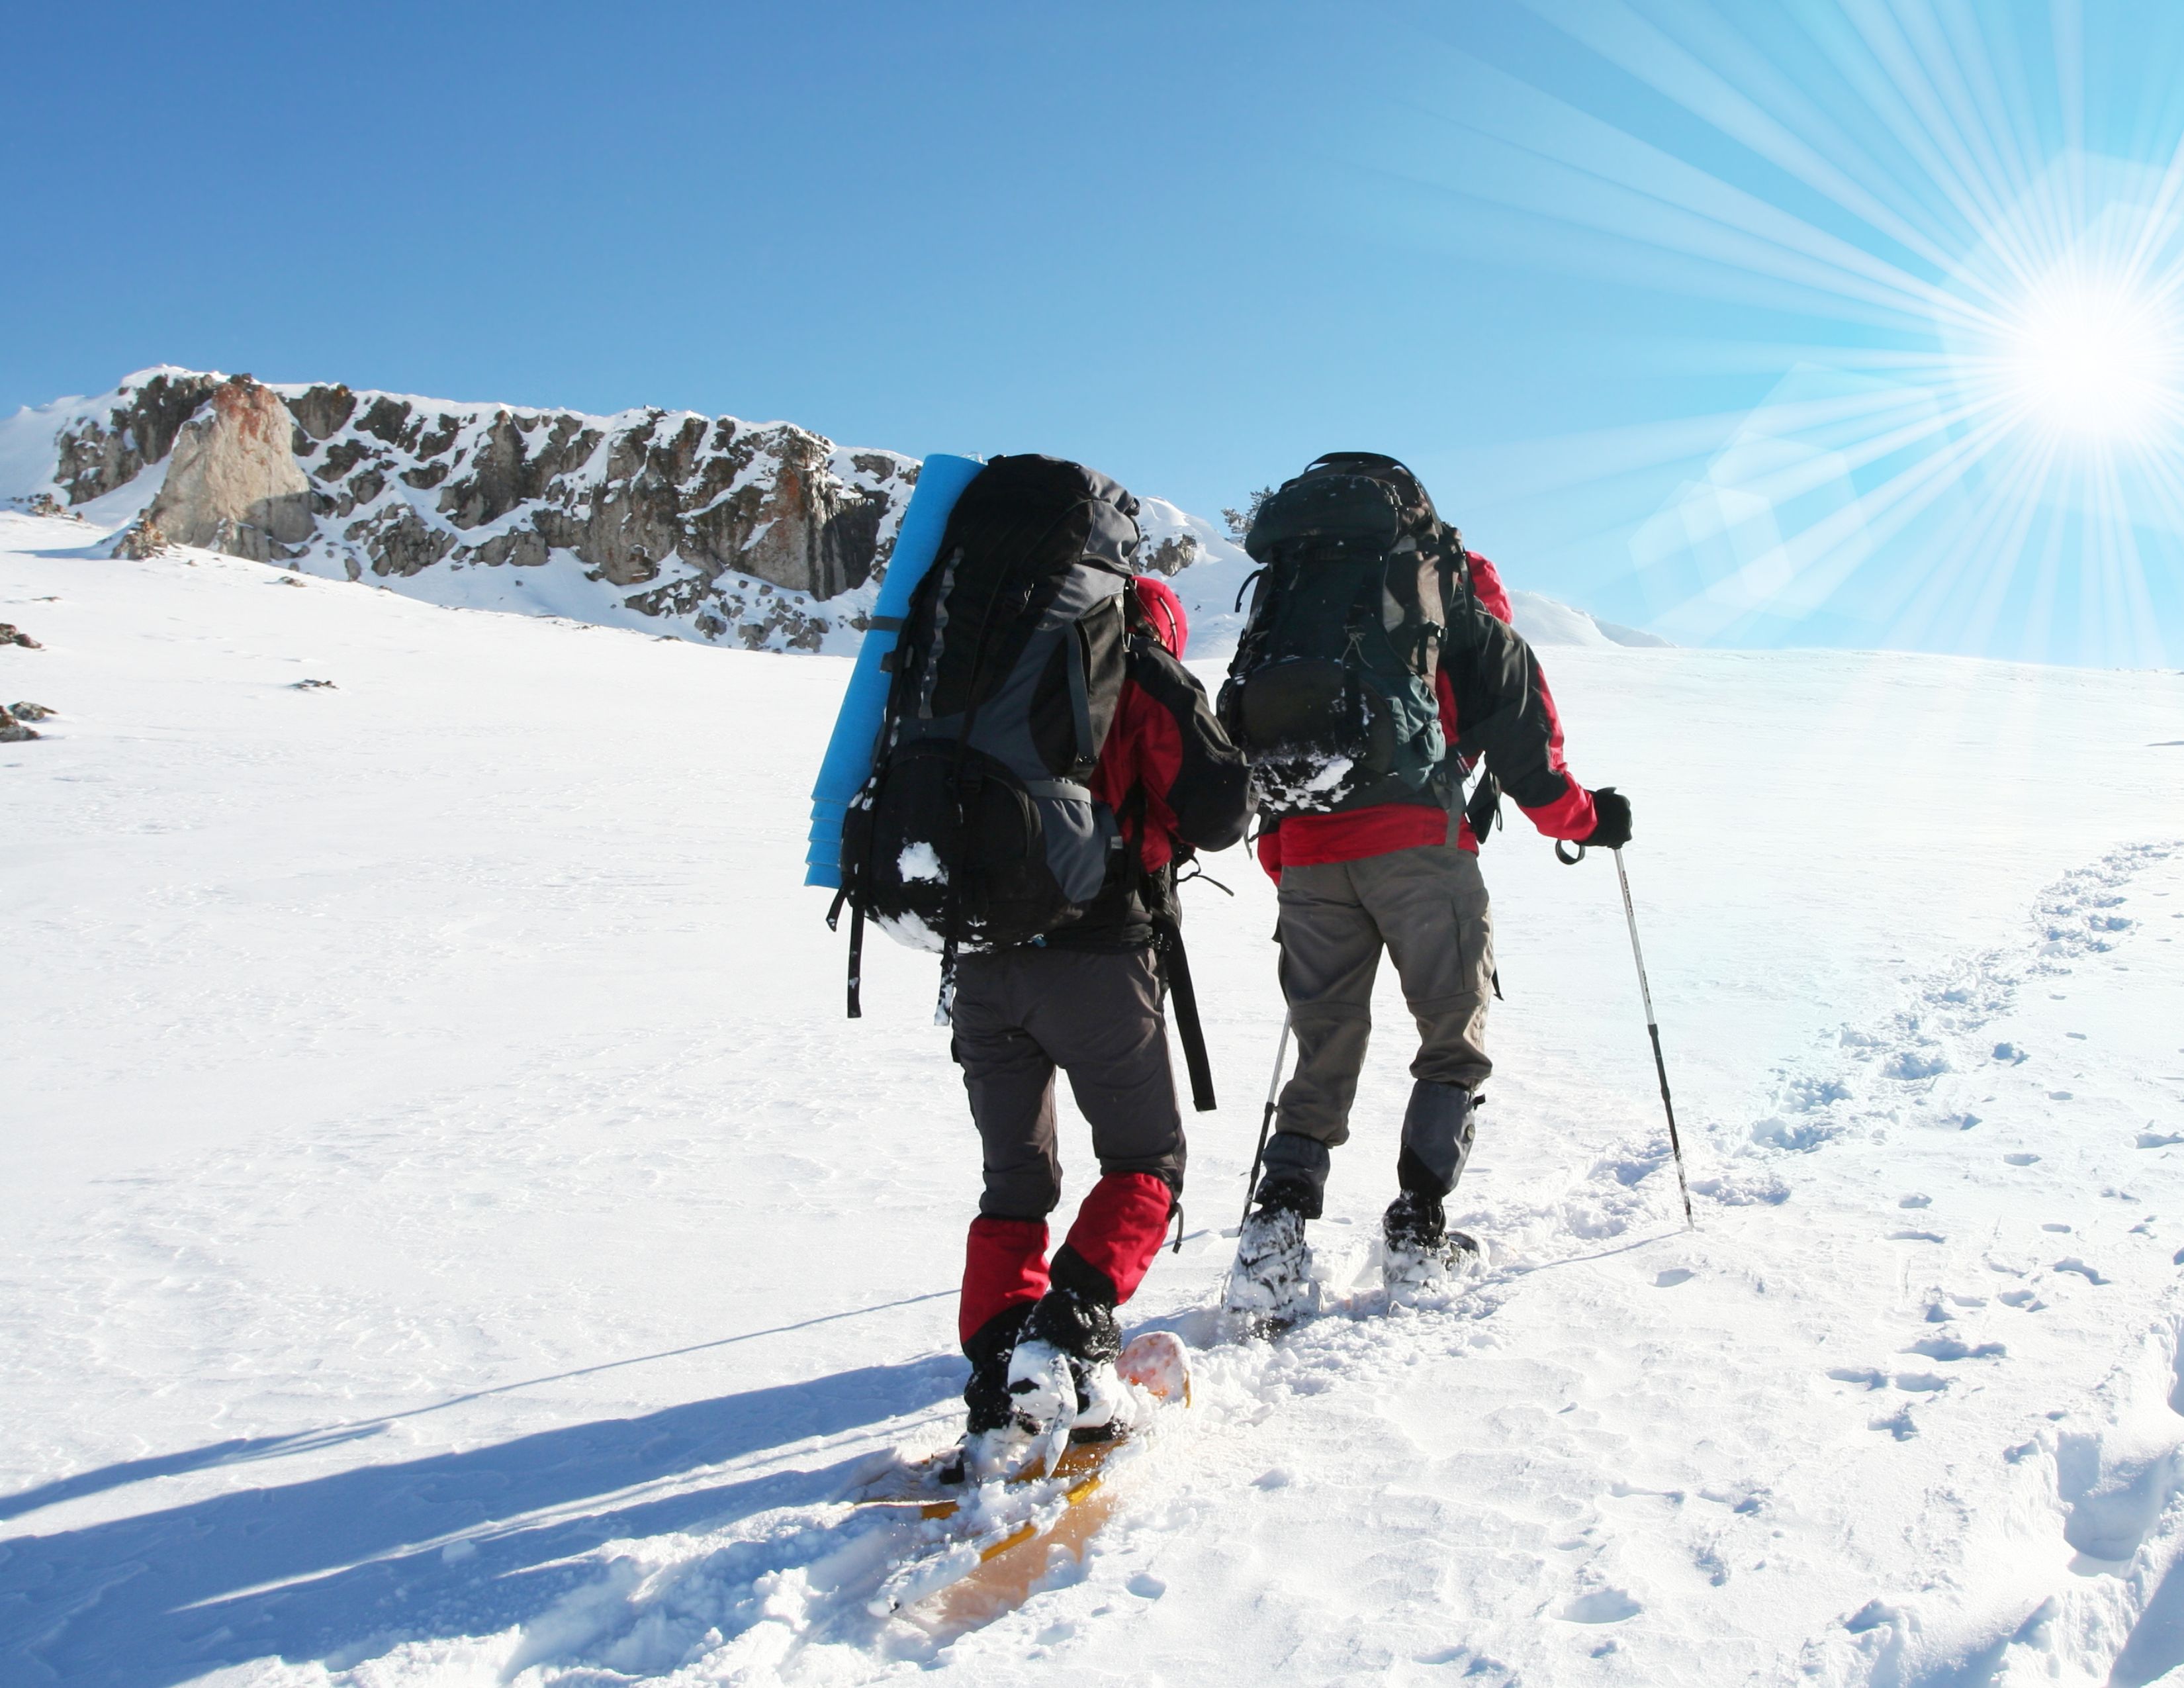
1602 1606
1948 1349
2021 1159
2084 1271
1916 1237
1810 1095
2023 1299
1864 1376
1920 1383
2158 1139
1673 1276
1915 1201
1798 1136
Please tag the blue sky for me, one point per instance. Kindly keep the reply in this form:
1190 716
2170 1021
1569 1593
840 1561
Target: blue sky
1740 322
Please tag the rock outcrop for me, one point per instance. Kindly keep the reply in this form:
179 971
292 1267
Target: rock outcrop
232 484
764 535
139 542
720 526
105 452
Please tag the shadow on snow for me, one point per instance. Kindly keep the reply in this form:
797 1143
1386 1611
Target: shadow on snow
330 1568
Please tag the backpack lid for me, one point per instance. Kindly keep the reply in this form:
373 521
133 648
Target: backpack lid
1336 508
1039 490
1411 495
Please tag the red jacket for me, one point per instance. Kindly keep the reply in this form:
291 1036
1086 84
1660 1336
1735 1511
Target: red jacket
1558 805
1166 770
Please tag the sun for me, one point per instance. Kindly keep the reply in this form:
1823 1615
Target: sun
2094 357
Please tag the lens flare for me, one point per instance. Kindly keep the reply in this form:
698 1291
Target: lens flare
2092 359
1947 242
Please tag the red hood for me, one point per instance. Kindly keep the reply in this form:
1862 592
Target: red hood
1157 600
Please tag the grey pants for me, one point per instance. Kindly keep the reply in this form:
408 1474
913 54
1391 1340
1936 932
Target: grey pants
1428 907
1094 1014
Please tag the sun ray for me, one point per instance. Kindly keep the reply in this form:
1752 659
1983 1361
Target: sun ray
1993 425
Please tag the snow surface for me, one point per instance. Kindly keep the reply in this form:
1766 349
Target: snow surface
451 1237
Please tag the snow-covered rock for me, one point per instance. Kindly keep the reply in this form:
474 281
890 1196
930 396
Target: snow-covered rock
709 527
762 535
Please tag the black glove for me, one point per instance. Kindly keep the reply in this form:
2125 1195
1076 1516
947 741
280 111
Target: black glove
1611 827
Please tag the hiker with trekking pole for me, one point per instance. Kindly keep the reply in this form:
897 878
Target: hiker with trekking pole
1378 669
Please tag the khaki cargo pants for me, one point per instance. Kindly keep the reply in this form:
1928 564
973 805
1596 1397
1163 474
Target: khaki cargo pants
1428 908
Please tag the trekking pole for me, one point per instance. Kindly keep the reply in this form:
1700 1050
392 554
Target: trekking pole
1652 1027
1267 1118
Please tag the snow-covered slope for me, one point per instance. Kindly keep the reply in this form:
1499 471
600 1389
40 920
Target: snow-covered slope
451 1237
1547 621
764 535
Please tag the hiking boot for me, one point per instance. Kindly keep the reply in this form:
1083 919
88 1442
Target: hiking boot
1270 1286
1419 1250
995 1436
1061 1382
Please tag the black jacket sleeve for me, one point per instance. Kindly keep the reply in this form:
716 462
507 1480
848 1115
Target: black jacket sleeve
1502 710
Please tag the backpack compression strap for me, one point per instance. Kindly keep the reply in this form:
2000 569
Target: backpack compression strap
857 949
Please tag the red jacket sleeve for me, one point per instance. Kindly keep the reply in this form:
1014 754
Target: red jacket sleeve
1166 745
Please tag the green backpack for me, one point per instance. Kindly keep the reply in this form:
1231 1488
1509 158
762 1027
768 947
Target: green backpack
1331 693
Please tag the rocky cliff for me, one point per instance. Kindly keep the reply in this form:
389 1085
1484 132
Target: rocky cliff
766 535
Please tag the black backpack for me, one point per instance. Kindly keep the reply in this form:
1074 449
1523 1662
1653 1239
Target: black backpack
1331 690
976 830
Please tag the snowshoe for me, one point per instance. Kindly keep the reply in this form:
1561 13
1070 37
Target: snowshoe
1270 1286
1419 1252
975 1555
